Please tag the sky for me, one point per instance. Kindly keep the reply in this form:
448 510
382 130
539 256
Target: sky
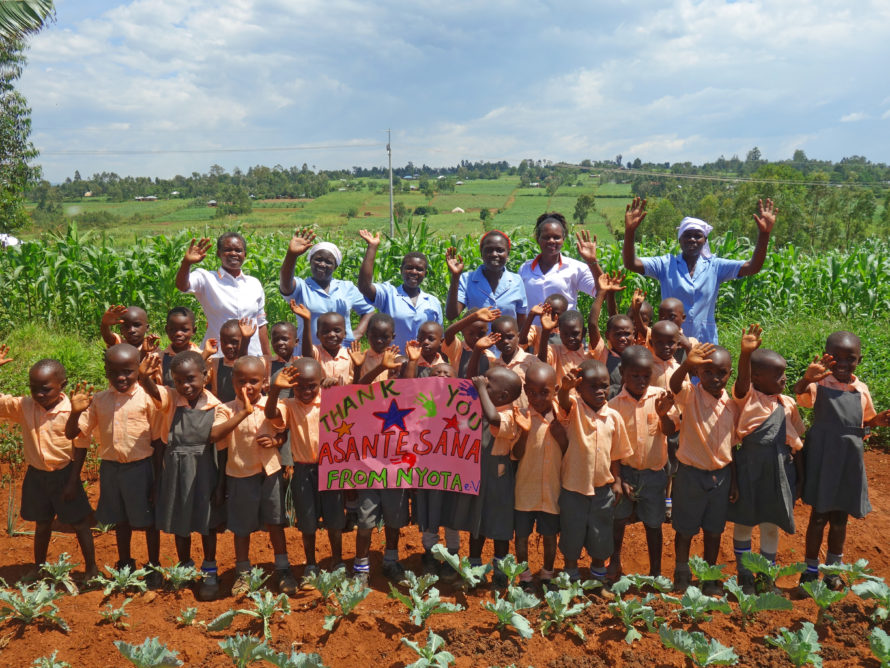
166 87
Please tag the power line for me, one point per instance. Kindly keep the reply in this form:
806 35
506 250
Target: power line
270 149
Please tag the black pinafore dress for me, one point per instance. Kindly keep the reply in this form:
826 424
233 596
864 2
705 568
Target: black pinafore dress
833 455
225 390
766 476
189 476
287 457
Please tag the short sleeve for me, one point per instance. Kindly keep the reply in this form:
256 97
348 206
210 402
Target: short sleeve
508 429
462 288
727 270
621 447
522 301
382 297
297 293
586 281
357 300
11 408
197 282
86 423
684 396
279 423
868 407
656 267
807 398
222 413
261 304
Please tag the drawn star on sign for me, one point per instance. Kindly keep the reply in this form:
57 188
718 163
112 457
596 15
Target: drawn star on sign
451 423
344 429
393 416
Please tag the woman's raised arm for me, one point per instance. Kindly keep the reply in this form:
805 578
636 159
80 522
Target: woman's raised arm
633 216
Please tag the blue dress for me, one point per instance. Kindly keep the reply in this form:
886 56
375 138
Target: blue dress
474 291
342 298
408 316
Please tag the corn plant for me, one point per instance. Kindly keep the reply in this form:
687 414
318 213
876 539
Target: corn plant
59 573
849 573
766 573
121 580
696 606
178 576
432 654
879 642
422 599
704 571
244 650
802 646
115 616
511 568
32 603
51 661
695 645
632 611
325 582
348 595
880 592
294 659
187 616
150 654
265 607
507 608
751 604
824 597
471 576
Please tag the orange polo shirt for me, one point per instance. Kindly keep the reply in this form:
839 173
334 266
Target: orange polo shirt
808 398
246 456
302 421
662 370
644 428
372 361
539 471
708 428
596 439
43 431
122 422
564 360
337 366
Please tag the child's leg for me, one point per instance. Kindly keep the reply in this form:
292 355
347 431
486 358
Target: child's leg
549 552
183 549
682 574
309 547
279 546
208 544
618 528
741 545
87 547
242 553
501 548
837 536
336 538
153 546
654 545
769 541
362 544
477 543
42 533
815 532
521 545
712 546
123 535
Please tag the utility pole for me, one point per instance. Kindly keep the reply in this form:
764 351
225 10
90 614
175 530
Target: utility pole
392 220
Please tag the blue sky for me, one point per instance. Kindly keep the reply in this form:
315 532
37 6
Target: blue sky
679 80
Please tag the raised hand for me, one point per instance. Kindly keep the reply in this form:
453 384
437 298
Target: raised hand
356 354
413 350
487 341
197 250
4 351
391 358
636 302
114 315
634 214
370 238
480 383
611 282
586 247
302 241
487 314
247 327
700 354
522 421
330 382
82 397
882 419
151 343
149 366
548 321
767 216
571 380
248 406
300 310
751 339
663 404
211 347
428 403
266 441
819 369
536 310
455 262
286 378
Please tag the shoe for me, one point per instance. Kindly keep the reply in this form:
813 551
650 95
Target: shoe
527 586
428 563
308 571
241 586
338 566
393 571
748 583
668 513
120 564
499 580
712 588
284 581
613 574
602 591
682 580
208 588
361 577
833 582
154 579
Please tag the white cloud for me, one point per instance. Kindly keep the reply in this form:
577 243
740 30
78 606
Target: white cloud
854 117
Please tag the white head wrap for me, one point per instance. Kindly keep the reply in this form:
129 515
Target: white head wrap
330 248
696 224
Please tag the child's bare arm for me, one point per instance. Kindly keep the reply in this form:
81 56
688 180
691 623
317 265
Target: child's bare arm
390 362
357 356
882 419
558 432
524 423
219 431
302 312
617 486
80 401
636 304
569 382
113 316
69 493
479 349
484 314
286 378
148 368
548 324
751 341
663 405
816 371
247 326
413 351
606 284
699 355
4 352
488 408
534 312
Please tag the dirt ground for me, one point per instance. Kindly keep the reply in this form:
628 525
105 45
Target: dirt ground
371 636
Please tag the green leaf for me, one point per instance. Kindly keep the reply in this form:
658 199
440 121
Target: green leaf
879 642
150 654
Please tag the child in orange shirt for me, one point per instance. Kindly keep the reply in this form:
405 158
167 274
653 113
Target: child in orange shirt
767 463
426 351
382 359
133 321
331 354
530 334
835 485
619 330
649 420
591 468
704 477
472 327
570 352
52 486
234 338
505 337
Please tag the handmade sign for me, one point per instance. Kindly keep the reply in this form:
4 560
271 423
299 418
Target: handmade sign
400 434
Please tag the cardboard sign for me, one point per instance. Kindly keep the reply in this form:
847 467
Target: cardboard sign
420 433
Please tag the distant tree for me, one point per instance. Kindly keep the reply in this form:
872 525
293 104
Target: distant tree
427 188
484 214
233 201
708 208
618 159
352 212
662 220
637 163
583 206
399 211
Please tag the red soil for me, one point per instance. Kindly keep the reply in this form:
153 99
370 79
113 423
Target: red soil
371 636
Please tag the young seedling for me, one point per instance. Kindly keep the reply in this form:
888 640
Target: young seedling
560 608
578 588
512 569
695 645
659 583
244 650
32 604
178 576
325 582
633 610
349 594
294 659
751 604
879 642
265 607
122 580
150 654
187 616
696 606
115 616
420 607
50 661
880 592
471 576
824 597
430 655
849 573
59 573
802 646
507 609
766 573
256 578
703 571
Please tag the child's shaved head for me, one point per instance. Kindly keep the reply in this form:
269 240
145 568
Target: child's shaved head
665 328
122 353
249 362
230 327
842 339
50 367
186 358
764 358
636 356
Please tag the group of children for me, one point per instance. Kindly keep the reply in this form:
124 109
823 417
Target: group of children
579 440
